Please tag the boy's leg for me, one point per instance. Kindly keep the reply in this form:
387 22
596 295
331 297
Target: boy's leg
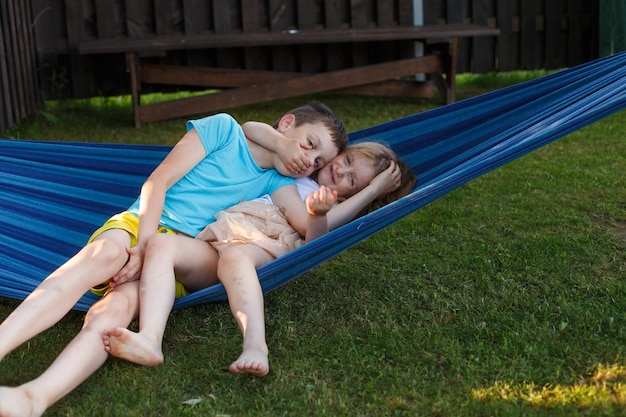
80 359
167 257
237 271
57 294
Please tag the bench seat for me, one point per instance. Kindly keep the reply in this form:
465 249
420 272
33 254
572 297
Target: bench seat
249 86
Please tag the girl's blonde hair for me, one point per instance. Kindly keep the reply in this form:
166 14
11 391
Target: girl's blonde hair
380 157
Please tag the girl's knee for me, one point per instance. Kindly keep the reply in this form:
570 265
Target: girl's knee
233 255
159 242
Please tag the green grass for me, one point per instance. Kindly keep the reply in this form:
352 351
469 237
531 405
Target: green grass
506 297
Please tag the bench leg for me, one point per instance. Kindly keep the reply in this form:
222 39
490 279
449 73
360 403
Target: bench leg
447 86
451 70
132 61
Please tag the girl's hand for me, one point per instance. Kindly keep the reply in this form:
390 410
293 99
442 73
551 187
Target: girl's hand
132 270
387 181
292 161
321 201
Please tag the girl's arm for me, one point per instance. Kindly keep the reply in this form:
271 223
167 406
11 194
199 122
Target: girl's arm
318 204
289 159
342 213
187 153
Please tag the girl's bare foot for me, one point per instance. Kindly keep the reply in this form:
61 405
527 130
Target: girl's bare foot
251 361
133 347
19 402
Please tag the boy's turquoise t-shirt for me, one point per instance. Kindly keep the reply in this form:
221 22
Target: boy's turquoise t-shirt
226 176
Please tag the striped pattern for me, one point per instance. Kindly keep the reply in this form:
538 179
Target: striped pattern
53 195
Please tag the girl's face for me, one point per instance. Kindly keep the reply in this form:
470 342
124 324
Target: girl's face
347 173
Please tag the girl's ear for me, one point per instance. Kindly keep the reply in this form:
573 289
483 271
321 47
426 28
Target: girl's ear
285 122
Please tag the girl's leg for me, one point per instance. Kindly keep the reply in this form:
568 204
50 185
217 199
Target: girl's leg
237 271
57 294
167 258
80 359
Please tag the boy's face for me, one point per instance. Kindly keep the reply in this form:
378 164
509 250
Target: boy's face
316 143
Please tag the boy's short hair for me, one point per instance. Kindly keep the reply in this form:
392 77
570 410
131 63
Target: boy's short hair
316 112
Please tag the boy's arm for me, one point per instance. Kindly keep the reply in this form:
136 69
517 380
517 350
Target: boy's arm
317 205
288 156
188 152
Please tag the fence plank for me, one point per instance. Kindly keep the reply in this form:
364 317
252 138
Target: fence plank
457 12
283 17
198 18
483 47
309 15
361 16
555 39
528 34
8 116
507 52
107 19
223 12
582 41
337 13
253 19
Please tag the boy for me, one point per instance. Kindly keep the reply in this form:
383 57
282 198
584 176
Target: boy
175 199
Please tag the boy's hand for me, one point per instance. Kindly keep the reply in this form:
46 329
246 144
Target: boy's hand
387 181
321 201
292 160
131 271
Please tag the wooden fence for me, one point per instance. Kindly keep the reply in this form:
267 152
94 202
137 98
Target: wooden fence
19 87
534 34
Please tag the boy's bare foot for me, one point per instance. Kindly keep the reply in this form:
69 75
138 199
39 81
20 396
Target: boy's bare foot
251 361
133 347
19 402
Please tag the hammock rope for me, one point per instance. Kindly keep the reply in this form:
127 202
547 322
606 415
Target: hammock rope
54 194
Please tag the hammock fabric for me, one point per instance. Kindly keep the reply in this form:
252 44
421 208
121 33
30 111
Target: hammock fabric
54 194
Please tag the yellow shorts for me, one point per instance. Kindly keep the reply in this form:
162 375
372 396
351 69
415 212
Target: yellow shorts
128 222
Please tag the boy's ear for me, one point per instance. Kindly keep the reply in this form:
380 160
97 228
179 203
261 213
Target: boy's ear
286 121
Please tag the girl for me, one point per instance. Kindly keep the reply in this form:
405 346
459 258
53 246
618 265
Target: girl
249 235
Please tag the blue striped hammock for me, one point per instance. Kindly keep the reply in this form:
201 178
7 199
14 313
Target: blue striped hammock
54 194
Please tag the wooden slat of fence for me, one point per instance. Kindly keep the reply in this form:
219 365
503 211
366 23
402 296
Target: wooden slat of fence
554 38
309 15
457 13
254 18
20 94
582 41
198 17
431 12
106 19
162 18
361 17
336 14
385 51
530 45
17 79
7 117
282 17
223 23
483 47
28 60
507 49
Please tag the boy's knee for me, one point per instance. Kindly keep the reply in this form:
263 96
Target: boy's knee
107 251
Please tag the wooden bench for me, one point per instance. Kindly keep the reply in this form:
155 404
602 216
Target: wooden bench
242 87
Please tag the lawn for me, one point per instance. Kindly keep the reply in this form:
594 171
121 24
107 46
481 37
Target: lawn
506 297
